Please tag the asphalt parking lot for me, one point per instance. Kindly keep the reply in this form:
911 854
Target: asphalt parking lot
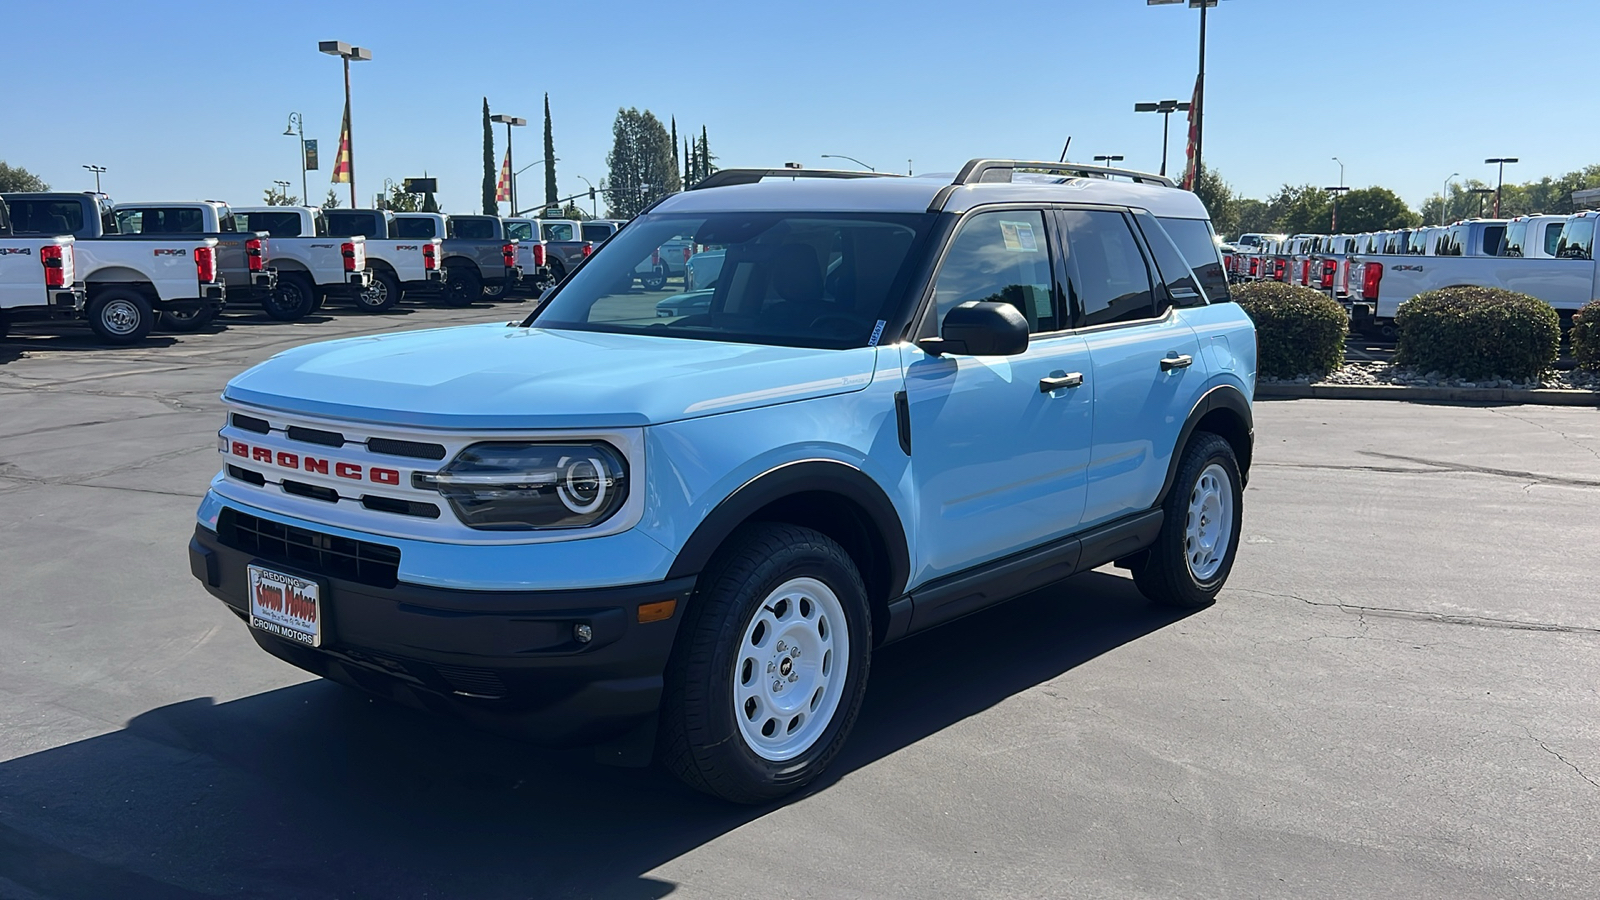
1396 696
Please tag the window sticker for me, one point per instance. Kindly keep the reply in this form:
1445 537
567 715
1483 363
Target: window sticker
1018 237
877 332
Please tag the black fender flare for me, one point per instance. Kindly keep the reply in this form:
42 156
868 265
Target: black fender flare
853 487
1222 397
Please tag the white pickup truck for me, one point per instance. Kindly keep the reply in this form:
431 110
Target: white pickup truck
312 265
399 265
1534 237
241 255
1380 283
36 277
129 278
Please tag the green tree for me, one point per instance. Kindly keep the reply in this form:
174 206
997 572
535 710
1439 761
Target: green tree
1218 199
1302 210
16 179
400 201
332 200
640 161
551 192
706 164
1252 216
274 197
574 212
688 165
429 204
491 206
1374 209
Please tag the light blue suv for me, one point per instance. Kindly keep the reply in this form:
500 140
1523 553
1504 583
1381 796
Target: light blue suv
684 535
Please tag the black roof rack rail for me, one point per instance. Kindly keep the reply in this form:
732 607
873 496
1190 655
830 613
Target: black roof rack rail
725 177
999 171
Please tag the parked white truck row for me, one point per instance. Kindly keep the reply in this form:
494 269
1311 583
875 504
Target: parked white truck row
124 268
1545 256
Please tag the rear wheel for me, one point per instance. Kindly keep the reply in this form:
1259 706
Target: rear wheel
292 299
770 668
558 272
464 287
381 295
1199 538
656 280
187 320
121 315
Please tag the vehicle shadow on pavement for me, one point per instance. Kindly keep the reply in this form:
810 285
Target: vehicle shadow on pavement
317 791
24 338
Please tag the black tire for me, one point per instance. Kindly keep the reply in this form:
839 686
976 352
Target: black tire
700 738
464 287
293 298
380 296
494 291
1165 574
186 322
121 315
655 281
558 271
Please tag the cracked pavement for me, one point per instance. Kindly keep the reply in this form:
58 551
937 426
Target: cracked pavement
1397 695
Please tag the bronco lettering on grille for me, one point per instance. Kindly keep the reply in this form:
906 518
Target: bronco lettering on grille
285 460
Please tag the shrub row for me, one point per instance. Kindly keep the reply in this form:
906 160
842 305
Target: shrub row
1299 331
1586 336
1477 332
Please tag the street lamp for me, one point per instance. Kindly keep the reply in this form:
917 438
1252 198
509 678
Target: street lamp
383 198
514 175
1501 161
96 170
1166 108
1482 192
1200 81
1335 191
283 190
594 202
1108 159
1444 199
509 122
297 126
851 158
347 53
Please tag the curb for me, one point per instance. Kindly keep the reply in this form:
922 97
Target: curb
1539 396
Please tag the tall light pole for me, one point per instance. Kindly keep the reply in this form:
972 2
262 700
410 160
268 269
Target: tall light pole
1501 161
1341 170
1166 108
283 190
1108 159
1444 199
297 126
1200 81
359 54
514 175
96 170
852 159
1335 191
1483 192
510 122
594 201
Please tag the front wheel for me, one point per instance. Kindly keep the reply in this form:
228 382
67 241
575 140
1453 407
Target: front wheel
1199 537
381 295
121 315
767 677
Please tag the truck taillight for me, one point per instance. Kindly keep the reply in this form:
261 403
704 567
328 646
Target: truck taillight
205 264
588 247
348 251
1278 268
686 254
1255 267
538 255
430 256
509 251
1344 278
1329 268
1305 272
255 252
1371 276
655 257
55 258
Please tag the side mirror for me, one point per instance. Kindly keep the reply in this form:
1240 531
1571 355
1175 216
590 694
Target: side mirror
980 328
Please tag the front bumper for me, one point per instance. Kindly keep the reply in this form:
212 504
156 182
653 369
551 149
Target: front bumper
505 660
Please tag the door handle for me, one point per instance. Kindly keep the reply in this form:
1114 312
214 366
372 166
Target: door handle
1070 380
1176 362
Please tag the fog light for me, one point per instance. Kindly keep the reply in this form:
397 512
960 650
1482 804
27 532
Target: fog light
583 633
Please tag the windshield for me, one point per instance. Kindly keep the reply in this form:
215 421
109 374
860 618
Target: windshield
825 280
1577 240
1516 234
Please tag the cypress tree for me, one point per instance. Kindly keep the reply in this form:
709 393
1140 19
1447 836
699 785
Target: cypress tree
491 207
550 192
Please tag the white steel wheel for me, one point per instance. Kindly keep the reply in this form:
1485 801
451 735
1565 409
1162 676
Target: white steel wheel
1208 529
790 670
120 317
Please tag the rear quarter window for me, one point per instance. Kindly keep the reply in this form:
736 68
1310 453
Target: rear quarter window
1197 243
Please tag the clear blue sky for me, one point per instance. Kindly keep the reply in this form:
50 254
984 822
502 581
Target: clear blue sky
189 100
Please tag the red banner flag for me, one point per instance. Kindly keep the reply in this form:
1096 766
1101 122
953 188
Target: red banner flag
341 165
1189 174
502 190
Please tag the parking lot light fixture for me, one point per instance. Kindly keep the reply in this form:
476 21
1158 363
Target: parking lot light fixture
297 126
97 170
1108 159
1166 108
283 190
1444 199
851 158
1200 80
1483 192
510 122
1501 161
347 53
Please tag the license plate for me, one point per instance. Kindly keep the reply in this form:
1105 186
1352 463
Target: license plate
285 605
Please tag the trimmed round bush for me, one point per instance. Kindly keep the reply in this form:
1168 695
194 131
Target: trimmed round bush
1477 332
1299 331
1586 336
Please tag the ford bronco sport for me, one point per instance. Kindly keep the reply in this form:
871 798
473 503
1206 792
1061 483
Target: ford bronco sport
907 399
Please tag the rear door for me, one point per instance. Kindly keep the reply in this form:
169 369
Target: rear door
1142 355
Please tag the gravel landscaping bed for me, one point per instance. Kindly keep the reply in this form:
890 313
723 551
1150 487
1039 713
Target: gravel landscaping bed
1385 373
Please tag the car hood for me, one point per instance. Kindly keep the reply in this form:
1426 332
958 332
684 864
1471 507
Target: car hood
498 377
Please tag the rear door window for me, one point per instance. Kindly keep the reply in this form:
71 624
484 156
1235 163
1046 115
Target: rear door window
1109 278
